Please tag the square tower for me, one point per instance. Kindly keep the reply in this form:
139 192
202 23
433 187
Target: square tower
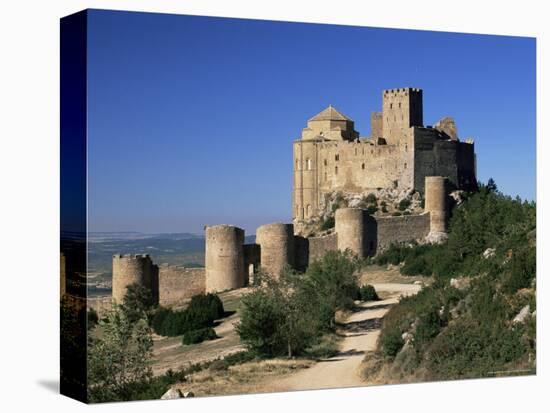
401 109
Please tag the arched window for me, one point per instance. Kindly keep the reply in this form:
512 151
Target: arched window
308 164
308 211
325 162
336 170
326 179
363 166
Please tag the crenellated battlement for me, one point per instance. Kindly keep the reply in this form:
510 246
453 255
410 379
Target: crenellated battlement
402 91
132 256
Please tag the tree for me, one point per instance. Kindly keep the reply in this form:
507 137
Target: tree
137 302
331 282
491 185
285 315
118 362
277 318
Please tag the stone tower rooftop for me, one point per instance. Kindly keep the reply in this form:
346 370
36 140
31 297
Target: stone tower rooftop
330 113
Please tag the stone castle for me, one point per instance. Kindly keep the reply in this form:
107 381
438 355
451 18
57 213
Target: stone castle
330 156
400 153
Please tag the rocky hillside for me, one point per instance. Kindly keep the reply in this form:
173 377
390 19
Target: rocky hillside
478 318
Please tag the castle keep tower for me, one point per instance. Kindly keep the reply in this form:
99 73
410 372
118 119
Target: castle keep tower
350 229
435 204
224 259
130 269
401 109
276 247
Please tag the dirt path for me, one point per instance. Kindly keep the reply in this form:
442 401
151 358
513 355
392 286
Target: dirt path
361 331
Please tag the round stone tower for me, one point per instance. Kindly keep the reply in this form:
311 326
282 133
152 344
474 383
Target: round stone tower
224 259
276 247
349 227
435 204
130 269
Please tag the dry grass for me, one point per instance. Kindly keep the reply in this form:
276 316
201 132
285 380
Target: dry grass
169 353
246 378
381 274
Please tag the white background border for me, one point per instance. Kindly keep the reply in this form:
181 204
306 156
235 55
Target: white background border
29 176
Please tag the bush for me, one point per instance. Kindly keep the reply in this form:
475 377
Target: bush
469 349
368 293
396 214
522 272
391 342
371 209
198 336
93 318
416 266
429 325
207 304
202 311
404 204
371 199
328 223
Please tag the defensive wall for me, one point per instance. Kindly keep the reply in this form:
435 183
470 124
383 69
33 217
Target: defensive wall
231 264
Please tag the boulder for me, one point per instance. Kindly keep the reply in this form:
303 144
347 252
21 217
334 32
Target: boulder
522 315
436 237
489 253
172 394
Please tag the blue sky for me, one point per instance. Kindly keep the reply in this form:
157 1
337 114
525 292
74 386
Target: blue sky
191 119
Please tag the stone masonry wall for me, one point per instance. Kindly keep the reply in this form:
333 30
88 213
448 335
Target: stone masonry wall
318 246
177 284
401 229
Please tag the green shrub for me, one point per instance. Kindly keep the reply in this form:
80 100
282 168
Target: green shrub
198 336
522 271
468 349
93 318
328 223
371 199
404 204
202 311
391 342
371 209
396 214
368 293
416 266
429 325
